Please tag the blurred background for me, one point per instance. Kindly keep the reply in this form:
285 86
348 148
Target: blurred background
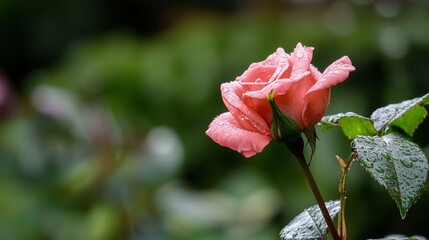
104 105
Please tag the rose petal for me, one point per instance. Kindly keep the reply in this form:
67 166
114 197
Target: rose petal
246 116
261 73
292 104
301 58
257 75
279 58
315 72
336 73
227 132
317 97
279 87
315 105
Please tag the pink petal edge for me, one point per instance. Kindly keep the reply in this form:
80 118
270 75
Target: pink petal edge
280 87
246 116
301 59
278 58
335 73
227 132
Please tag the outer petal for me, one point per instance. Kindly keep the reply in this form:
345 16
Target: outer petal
246 116
293 102
317 97
227 132
336 73
315 106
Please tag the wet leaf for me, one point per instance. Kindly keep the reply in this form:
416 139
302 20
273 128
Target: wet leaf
406 115
400 237
310 224
397 164
351 123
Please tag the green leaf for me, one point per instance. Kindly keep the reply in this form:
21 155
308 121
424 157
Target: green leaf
397 164
351 123
406 115
310 224
399 237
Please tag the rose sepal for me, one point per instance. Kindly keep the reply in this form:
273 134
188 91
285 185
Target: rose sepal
310 134
283 128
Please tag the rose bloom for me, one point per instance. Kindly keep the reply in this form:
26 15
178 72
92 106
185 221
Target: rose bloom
301 92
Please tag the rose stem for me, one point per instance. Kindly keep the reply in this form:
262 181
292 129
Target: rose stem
342 218
342 188
309 176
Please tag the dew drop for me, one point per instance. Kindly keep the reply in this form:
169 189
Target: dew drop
407 163
299 55
386 156
406 151
396 189
379 170
367 164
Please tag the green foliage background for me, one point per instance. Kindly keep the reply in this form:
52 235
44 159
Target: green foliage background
102 127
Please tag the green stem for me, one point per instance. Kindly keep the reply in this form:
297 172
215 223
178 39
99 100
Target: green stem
341 218
319 198
310 179
342 189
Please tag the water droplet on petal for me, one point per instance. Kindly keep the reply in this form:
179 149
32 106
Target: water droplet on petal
299 55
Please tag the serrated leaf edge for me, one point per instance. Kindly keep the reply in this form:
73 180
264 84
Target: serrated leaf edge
421 100
398 203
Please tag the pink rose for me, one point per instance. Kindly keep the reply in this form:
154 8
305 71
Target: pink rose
301 92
